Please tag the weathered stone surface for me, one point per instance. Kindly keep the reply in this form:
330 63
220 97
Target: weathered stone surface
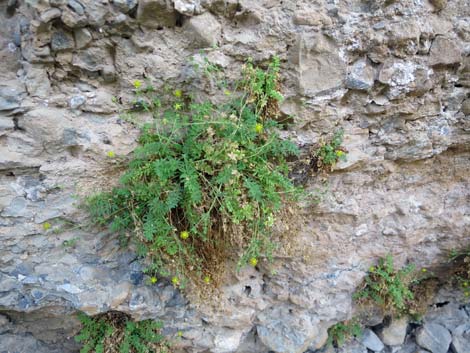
386 72
434 338
204 30
370 340
361 76
125 5
461 339
62 40
82 37
319 66
394 333
49 15
444 51
188 7
156 13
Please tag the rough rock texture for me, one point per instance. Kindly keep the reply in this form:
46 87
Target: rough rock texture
395 75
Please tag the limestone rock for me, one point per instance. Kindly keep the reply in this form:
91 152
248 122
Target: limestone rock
319 66
188 7
461 339
394 333
361 76
125 5
156 13
83 37
62 40
307 17
434 338
444 51
49 15
370 340
204 30
286 332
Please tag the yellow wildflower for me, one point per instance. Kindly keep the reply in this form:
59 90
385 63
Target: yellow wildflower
175 280
137 84
424 270
259 128
207 280
153 280
184 235
253 261
111 154
371 269
340 153
46 226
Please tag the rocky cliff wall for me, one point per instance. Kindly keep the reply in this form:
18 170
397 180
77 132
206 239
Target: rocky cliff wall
395 75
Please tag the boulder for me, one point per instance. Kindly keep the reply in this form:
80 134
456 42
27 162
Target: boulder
461 339
370 340
433 337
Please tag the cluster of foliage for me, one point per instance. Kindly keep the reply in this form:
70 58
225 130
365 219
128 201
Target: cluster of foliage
115 333
207 180
341 331
462 274
329 153
388 287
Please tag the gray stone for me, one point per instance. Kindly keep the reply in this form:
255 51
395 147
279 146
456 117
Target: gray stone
76 6
57 3
50 14
371 341
444 51
320 68
433 337
353 347
188 7
156 13
72 20
286 331
361 76
10 98
125 5
62 40
83 37
204 30
394 333
461 339
77 101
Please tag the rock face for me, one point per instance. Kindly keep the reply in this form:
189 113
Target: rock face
394 75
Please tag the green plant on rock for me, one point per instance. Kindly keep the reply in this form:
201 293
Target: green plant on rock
387 287
329 153
206 182
461 276
114 332
341 331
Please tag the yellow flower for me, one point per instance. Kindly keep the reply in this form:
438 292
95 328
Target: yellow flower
178 106
184 235
46 226
424 270
371 269
179 333
259 128
178 93
207 280
153 280
111 154
137 84
175 280
339 153
253 261
227 92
